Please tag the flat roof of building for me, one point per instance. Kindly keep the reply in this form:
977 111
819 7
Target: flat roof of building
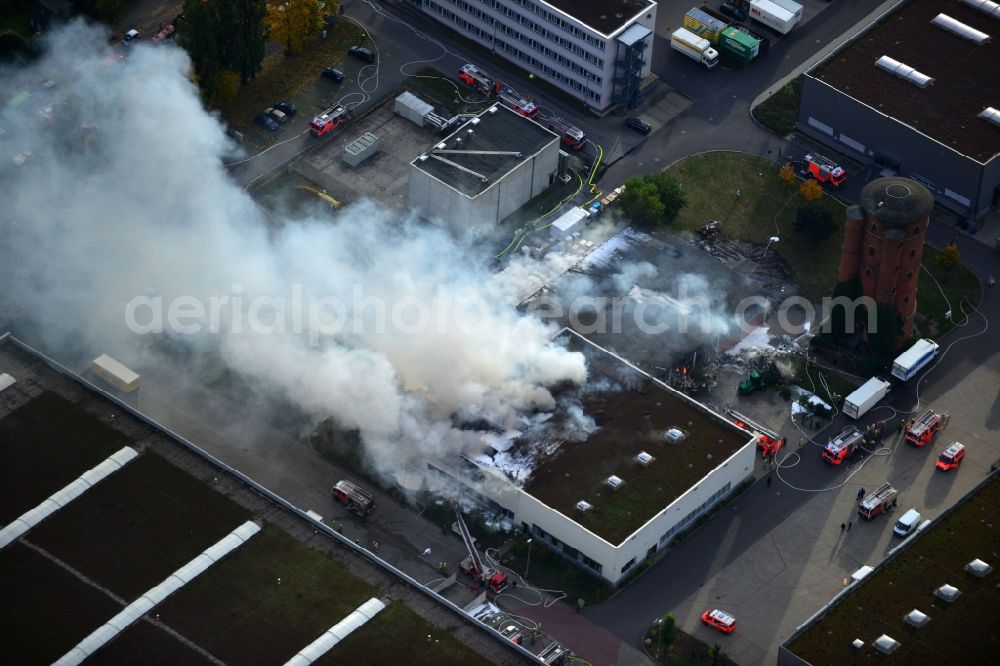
133 529
964 73
632 413
497 129
957 633
605 16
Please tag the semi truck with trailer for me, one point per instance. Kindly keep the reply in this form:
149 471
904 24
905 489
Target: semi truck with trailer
865 397
913 359
697 48
779 15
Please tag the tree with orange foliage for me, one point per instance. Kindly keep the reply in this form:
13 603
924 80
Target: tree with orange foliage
811 190
787 175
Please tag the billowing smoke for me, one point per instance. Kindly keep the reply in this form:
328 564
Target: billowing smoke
124 206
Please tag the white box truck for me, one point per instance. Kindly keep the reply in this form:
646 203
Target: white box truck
865 397
779 15
694 47
913 359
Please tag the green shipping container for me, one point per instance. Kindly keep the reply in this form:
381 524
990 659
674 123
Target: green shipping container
740 44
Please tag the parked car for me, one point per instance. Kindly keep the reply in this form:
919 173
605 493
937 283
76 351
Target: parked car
333 74
733 11
639 125
361 53
907 523
131 37
719 620
266 121
286 108
277 115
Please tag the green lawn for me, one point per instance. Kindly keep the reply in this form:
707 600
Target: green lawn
932 304
779 111
550 571
765 208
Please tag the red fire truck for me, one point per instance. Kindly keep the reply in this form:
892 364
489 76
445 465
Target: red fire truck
518 102
880 501
922 431
489 86
478 79
353 497
825 170
768 442
843 445
329 119
569 134
494 579
951 457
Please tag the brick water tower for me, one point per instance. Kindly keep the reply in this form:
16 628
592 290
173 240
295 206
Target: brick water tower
884 242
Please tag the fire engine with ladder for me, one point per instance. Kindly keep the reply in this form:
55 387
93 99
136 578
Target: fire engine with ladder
880 501
494 580
768 442
838 449
333 117
492 87
353 497
569 135
922 431
825 170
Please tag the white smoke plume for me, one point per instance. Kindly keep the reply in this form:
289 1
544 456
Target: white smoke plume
125 194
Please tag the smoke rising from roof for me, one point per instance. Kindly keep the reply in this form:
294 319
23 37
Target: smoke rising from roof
125 195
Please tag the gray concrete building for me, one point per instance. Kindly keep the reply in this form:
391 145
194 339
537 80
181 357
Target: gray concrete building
915 94
484 171
596 50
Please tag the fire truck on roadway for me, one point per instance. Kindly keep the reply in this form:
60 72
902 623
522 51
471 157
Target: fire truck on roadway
880 501
951 457
353 497
569 135
768 442
491 87
825 170
333 117
843 445
922 431
494 580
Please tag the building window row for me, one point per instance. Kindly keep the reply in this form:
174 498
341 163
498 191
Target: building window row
566 550
502 8
628 565
684 522
499 26
562 23
548 71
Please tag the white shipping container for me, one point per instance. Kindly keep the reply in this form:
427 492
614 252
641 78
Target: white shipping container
865 397
913 359
781 17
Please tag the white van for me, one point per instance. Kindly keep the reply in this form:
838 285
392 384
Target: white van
907 523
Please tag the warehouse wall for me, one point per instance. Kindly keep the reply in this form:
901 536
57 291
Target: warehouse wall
862 132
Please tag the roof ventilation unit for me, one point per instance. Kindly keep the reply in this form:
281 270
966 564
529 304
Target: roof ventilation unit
614 482
675 435
6 381
886 644
986 7
916 619
903 71
644 458
584 506
947 592
857 643
492 109
964 31
990 114
978 568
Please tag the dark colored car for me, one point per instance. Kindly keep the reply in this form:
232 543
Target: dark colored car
333 74
361 53
638 125
286 108
733 12
266 121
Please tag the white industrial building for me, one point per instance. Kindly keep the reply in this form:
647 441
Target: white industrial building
484 171
670 462
596 50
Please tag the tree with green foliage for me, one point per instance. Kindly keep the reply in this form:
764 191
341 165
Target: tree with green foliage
294 22
949 258
641 201
670 193
223 36
849 289
668 631
108 11
815 221
884 340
